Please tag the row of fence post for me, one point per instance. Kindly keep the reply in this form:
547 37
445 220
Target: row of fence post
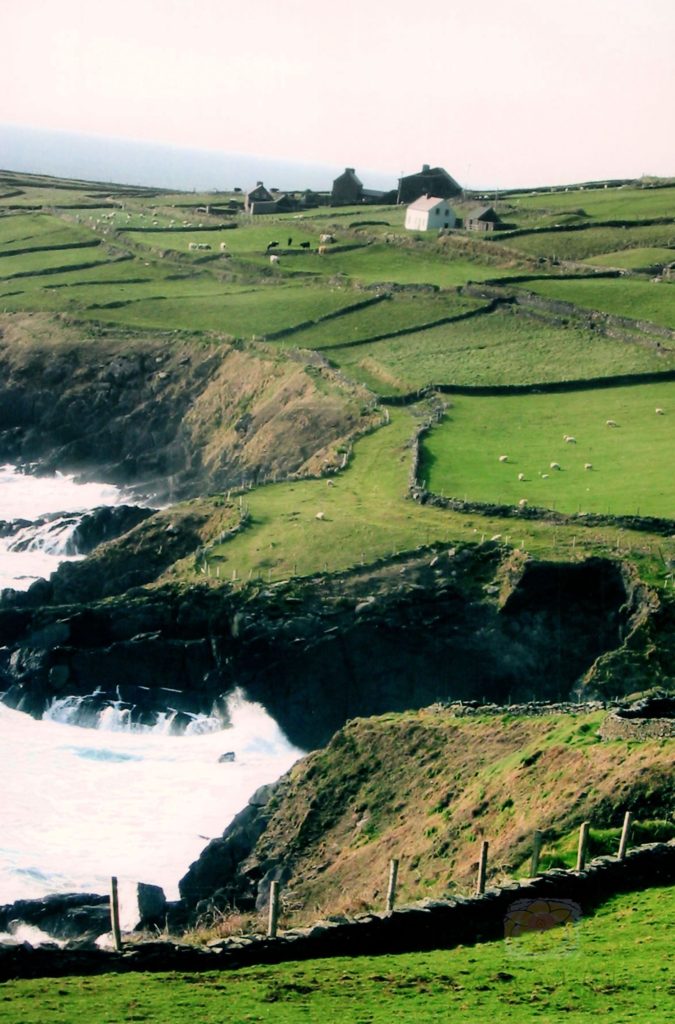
275 888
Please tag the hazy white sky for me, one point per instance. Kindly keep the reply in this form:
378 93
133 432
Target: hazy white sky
518 93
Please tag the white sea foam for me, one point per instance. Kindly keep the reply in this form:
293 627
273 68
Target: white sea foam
23 496
80 805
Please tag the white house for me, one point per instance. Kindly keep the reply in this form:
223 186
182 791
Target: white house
429 213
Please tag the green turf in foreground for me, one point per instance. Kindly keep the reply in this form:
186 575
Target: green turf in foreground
631 462
614 965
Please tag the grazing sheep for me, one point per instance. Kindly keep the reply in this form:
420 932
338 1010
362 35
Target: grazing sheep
274 259
193 246
659 411
326 239
569 439
554 465
320 515
223 246
544 476
330 483
503 458
323 250
522 503
612 423
588 465
521 476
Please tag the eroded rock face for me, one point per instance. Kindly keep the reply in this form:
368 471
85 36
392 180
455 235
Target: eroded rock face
326 654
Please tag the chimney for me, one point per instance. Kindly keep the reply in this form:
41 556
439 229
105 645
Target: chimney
425 168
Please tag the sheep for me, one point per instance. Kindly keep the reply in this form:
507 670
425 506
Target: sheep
320 515
588 465
330 483
271 245
554 465
544 476
522 503
503 458
326 239
612 423
659 411
521 476
203 245
192 246
569 439
323 250
274 259
223 246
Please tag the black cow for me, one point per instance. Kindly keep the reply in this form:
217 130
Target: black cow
290 242
272 245
304 245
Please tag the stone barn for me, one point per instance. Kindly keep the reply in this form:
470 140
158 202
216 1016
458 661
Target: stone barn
259 194
347 189
430 213
430 181
482 218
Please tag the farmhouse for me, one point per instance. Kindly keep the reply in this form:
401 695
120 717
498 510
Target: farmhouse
348 190
259 194
430 181
482 218
429 213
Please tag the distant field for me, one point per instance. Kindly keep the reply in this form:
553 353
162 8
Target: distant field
601 204
500 348
631 463
401 311
640 300
25 230
581 245
635 259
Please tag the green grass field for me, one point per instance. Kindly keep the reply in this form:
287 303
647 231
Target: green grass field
500 348
614 965
635 259
640 300
620 203
630 473
591 242
367 515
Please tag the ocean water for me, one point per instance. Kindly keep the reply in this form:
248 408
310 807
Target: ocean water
82 804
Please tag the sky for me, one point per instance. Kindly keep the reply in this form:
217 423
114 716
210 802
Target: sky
529 92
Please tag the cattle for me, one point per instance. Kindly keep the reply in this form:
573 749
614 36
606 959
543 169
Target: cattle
326 239
323 250
304 245
272 245
289 243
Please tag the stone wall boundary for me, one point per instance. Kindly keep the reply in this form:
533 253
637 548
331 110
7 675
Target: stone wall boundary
426 925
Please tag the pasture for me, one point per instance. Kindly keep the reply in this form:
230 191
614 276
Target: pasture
617 203
503 347
366 515
631 463
629 297
590 242
613 964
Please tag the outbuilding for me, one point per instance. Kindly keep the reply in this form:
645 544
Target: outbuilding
483 218
430 213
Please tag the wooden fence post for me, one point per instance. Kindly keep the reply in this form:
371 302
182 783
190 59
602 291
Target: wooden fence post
625 834
274 911
583 844
391 890
115 914
537 843
482 868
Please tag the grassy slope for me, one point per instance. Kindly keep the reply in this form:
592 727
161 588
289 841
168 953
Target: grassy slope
426 787
640 300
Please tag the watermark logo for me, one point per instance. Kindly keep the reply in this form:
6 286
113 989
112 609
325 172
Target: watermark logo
539 927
